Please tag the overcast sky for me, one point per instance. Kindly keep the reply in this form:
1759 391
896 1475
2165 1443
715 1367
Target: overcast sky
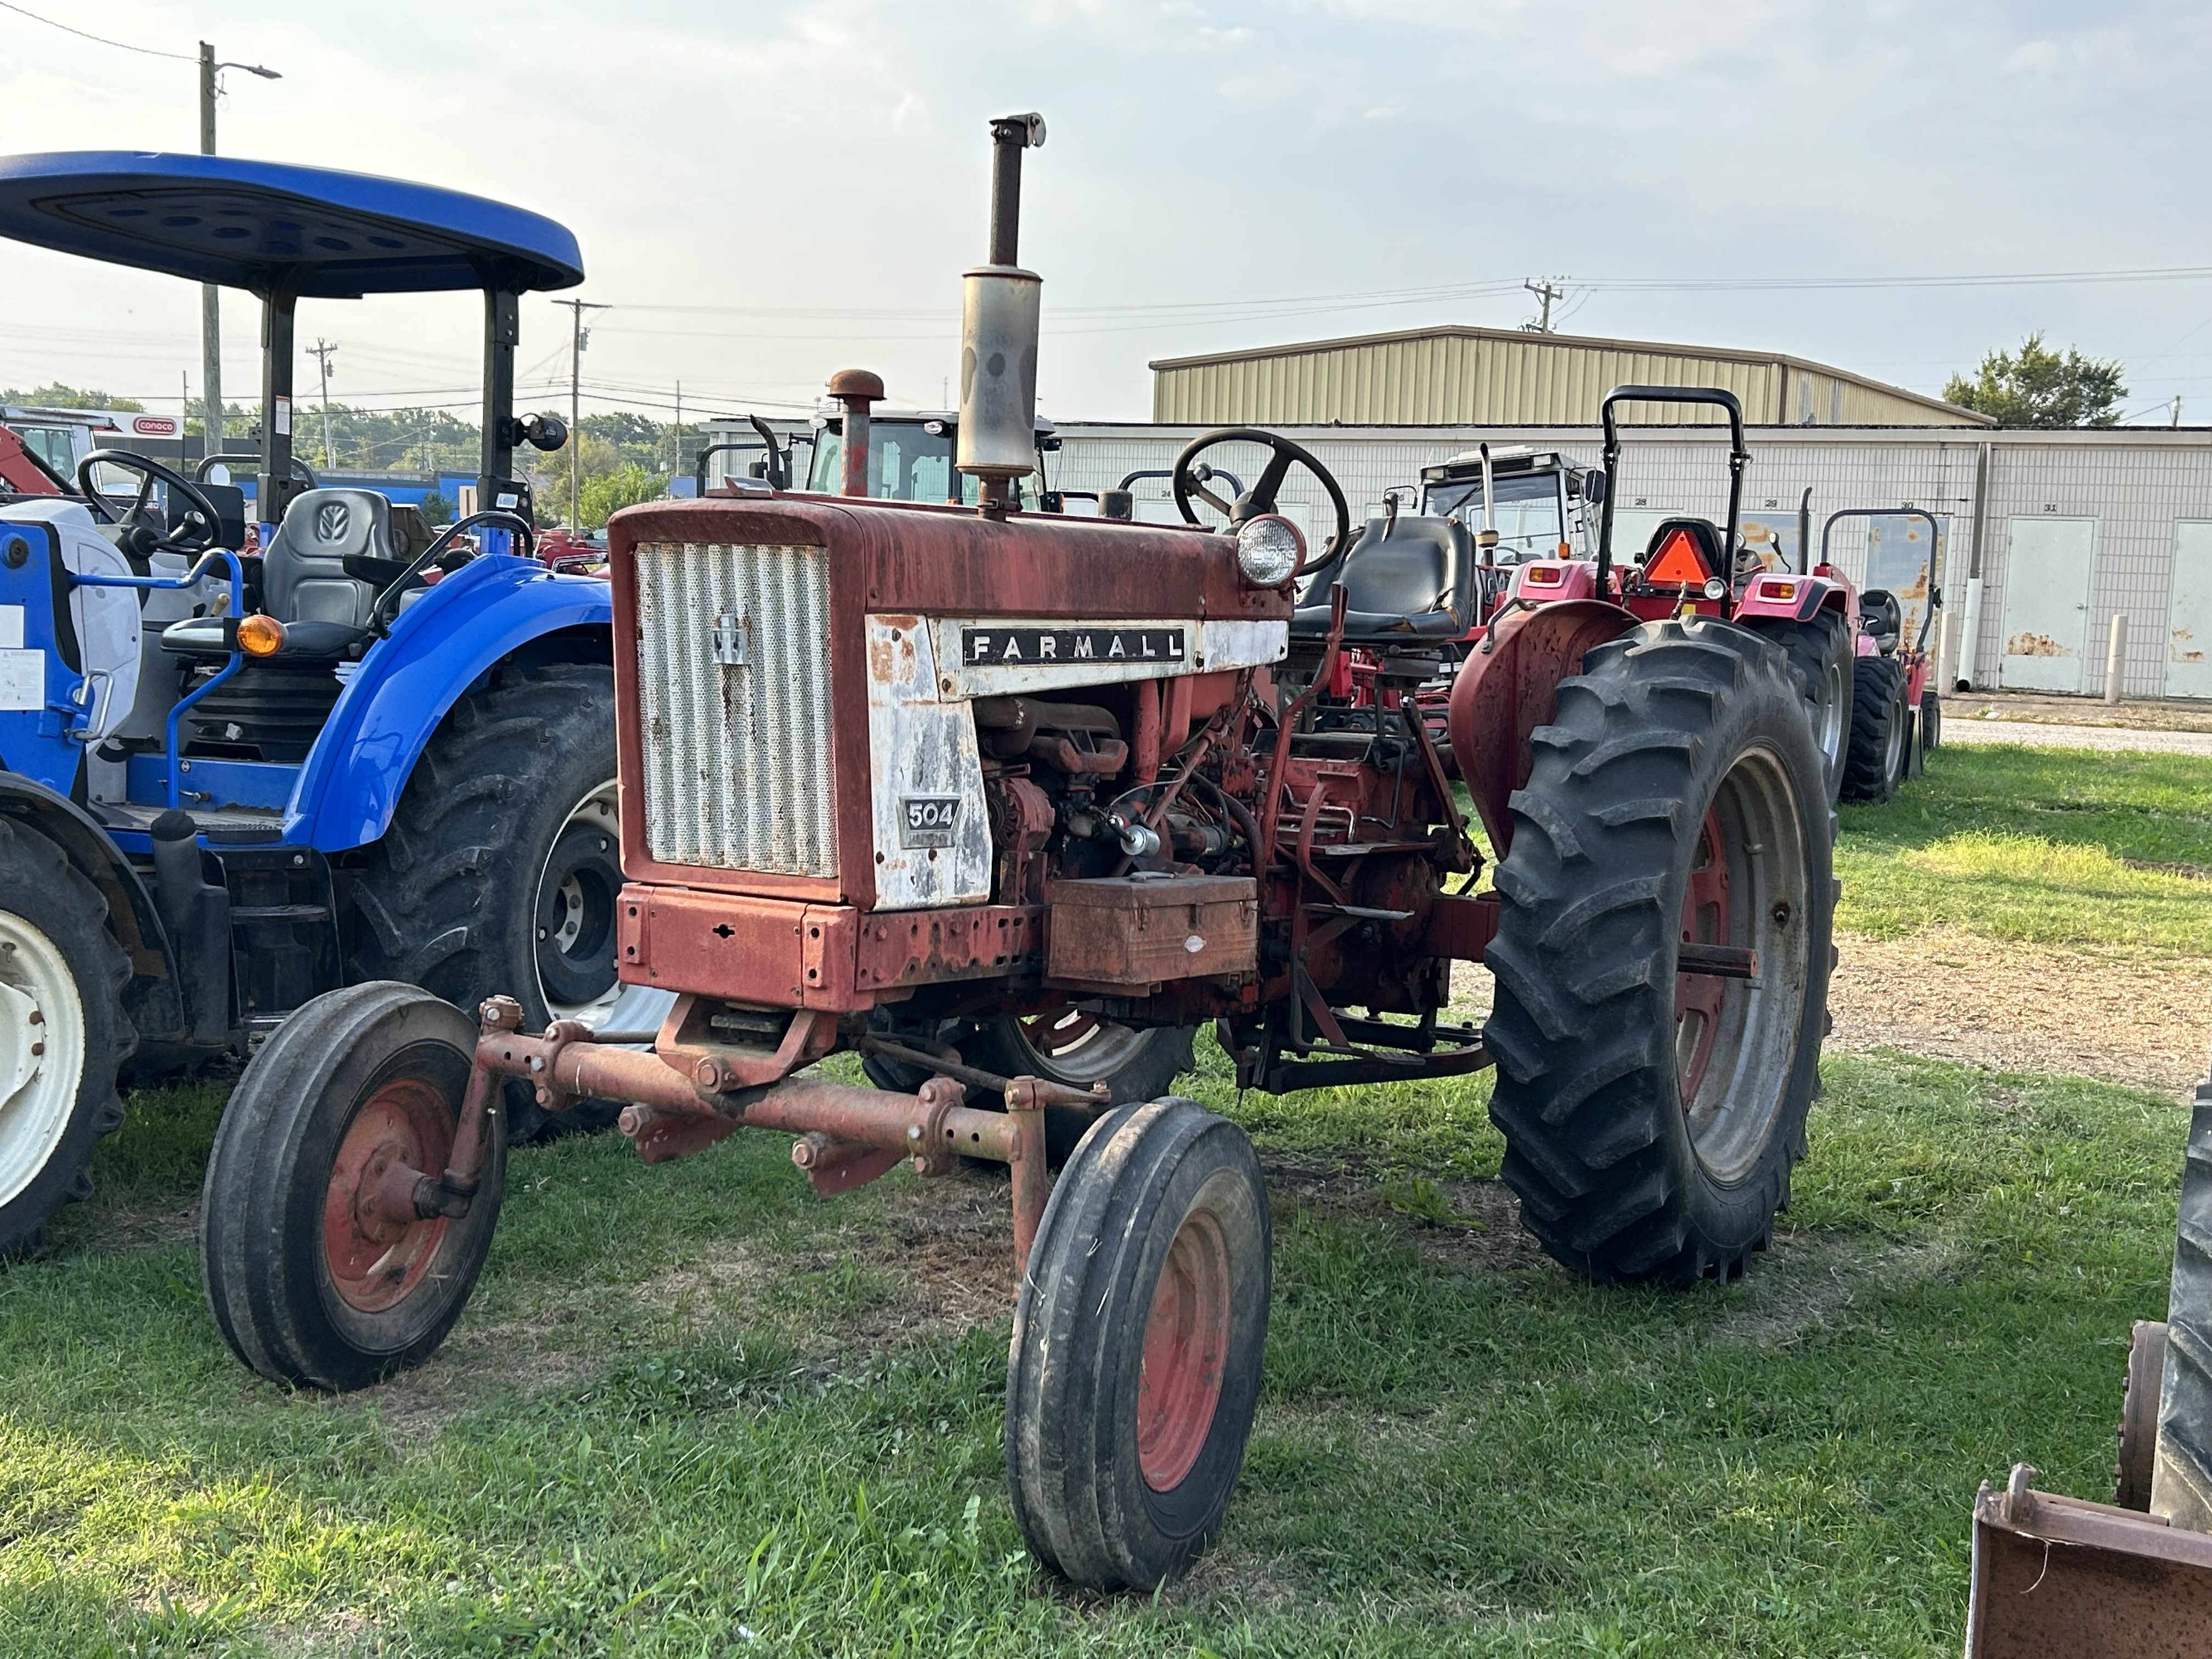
766 193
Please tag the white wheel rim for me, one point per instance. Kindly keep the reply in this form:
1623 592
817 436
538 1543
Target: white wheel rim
41 1051
599 808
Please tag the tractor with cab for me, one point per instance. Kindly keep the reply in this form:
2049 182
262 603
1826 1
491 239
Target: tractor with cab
230 780
1009 805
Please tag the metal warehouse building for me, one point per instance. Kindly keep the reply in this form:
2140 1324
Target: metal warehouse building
1488 375
2044 535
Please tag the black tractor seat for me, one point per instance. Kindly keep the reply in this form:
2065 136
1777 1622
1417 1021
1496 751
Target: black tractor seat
1404 578
1881 616
304 584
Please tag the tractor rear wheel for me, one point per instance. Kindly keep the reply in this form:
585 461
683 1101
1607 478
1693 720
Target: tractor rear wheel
1138 1336
311 1277
63 1032
1652 1110
2138 1455
1821 656
519 780
1882 735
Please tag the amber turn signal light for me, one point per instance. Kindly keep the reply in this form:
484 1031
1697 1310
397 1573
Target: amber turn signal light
260 636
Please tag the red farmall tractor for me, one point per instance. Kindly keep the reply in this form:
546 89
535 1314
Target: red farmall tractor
1010 804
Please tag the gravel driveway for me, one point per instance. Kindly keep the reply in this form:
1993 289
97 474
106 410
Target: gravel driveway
1968 730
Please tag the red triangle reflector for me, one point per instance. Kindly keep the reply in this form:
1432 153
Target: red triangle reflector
1678 561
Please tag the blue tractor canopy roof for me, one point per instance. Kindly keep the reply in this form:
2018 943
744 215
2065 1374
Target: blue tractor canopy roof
264 226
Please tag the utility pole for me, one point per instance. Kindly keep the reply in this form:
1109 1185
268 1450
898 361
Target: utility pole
578 338
2177 409
1544 291
675 461
323 361
211 440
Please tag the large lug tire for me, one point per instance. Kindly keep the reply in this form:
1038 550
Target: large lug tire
1651 1116
518 780
1820 652
1880 739
2138 1454
63 1032
309 1285
1138 1338
1931 721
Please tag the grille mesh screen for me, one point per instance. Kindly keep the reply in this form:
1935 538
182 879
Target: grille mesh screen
736 758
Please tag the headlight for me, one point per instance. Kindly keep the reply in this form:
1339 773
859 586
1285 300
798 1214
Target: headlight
1715 588
1269 550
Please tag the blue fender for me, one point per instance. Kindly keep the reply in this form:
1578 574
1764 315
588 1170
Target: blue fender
440 646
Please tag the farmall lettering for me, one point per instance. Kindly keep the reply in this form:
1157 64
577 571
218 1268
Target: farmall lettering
1163 646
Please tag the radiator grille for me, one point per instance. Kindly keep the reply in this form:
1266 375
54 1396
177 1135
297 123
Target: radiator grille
736 756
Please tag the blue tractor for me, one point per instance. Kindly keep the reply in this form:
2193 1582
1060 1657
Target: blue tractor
230 782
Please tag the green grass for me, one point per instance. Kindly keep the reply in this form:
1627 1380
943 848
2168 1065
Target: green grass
673 1423
2048 847
1461 1451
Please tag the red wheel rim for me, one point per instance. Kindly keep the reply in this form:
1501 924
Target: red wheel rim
377 1249
1186 1348
1699 997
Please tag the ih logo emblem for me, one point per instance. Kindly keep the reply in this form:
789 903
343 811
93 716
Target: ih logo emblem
330 520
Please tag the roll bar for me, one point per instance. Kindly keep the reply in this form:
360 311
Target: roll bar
779 457
1935 552
1739 456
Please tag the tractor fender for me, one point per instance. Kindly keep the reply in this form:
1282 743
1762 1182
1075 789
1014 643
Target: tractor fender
1815 594
1508 686
441 644
152 998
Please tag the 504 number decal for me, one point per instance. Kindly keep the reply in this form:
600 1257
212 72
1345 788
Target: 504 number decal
927 820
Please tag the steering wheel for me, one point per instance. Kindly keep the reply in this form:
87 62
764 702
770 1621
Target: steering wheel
1187 480
201 523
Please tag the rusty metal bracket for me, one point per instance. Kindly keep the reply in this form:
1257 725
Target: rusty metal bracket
1050 1094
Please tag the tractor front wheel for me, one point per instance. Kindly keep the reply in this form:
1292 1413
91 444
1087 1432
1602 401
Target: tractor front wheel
316 1274
1138 1336
501 869
1931 721
63 1032
1662 954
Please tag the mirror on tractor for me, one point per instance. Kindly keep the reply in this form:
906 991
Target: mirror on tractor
544 432
1595 484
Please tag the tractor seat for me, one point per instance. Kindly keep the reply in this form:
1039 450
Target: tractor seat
1682 552
1881 616
1403 577
304 582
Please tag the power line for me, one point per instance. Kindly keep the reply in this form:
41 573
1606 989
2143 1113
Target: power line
121 46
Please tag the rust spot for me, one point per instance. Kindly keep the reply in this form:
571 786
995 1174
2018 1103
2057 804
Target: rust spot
2035 644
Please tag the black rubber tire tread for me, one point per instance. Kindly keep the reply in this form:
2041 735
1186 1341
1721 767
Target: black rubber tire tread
1162 1055
1877 697
1931 721
1582 1025
437 901
261 1208
45 890
2137 1462
1077 1354
1811 646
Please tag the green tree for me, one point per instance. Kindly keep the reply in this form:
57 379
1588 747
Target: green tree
55 395
436 509
607 493
2041 388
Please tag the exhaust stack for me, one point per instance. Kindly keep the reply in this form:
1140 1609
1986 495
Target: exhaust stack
1000 305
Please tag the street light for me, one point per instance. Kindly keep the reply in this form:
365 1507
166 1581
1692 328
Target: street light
211 440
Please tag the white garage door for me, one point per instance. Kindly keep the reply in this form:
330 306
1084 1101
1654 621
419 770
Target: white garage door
2188 624
2048 563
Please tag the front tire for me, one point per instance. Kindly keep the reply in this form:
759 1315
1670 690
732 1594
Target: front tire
1931 722
309 1283
519 778
1138 1337
63 1032
1651 1115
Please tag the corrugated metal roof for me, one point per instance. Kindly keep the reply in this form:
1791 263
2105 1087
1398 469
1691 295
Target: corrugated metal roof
1457 375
